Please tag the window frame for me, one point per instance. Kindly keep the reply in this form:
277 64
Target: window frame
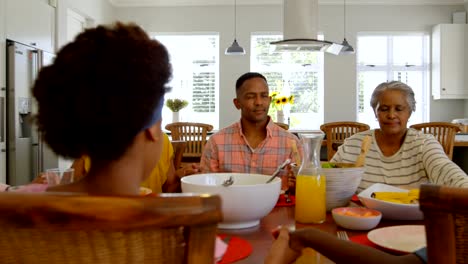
390 69
311 120
188 114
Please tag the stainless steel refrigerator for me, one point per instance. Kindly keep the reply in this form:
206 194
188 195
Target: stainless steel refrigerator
25 150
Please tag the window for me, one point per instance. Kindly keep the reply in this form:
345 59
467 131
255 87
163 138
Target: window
393 57
195 76
291 73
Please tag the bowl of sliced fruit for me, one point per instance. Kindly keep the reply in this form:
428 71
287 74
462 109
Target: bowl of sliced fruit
356 218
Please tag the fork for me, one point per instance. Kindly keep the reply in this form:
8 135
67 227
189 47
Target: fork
342 235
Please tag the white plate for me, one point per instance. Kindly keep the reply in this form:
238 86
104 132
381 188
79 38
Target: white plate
400 239
390 210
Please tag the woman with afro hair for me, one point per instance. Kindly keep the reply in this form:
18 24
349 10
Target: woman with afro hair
102 97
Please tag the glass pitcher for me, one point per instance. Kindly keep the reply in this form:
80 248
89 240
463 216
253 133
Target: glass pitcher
310 183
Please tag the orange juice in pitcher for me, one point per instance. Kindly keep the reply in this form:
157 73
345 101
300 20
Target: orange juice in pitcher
310 198
310 184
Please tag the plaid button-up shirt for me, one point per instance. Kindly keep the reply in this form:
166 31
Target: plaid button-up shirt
229 151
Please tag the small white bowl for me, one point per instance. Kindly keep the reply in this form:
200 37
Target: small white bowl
244 203
356 218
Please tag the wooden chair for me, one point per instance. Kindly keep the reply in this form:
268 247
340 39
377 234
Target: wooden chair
337 132
179 148
69 228
282 125
193 133
446 220
444 132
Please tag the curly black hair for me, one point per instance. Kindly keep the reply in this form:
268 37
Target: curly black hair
101 91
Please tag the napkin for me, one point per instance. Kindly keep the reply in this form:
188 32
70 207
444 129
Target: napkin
238 248
282 200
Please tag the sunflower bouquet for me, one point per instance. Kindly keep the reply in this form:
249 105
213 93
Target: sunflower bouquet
278 101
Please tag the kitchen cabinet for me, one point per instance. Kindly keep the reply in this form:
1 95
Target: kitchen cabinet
31 22
450 61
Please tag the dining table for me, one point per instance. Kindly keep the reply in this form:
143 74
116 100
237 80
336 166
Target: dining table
261 238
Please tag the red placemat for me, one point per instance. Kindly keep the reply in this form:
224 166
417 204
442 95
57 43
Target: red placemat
363 240
238 248
282 200
356 200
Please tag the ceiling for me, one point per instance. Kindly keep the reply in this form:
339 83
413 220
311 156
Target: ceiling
275 2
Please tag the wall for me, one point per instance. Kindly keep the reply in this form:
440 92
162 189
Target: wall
95 11
338 91
2 86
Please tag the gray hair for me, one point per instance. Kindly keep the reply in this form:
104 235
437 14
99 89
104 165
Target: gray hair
396 86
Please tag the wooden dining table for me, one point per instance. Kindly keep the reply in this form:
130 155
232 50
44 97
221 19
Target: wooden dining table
261 239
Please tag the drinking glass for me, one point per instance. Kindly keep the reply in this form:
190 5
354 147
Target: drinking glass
58 176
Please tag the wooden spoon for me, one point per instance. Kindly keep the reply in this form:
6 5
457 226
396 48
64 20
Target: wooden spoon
365 146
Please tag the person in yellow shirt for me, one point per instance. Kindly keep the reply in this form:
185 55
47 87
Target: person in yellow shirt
163 177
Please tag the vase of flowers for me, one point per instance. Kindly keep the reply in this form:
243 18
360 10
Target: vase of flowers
175 105
278 102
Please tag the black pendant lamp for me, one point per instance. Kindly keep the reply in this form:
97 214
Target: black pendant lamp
235 48
347 48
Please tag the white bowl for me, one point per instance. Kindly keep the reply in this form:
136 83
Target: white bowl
342 184
390 210
356 218
244 203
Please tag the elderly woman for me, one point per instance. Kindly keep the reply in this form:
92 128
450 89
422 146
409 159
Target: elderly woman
400 156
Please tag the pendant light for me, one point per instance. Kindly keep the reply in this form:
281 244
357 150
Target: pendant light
347 48
235 48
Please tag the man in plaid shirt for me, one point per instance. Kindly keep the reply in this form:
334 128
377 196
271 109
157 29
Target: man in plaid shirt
255 144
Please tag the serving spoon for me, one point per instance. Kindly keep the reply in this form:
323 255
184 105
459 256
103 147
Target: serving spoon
228 182
280 167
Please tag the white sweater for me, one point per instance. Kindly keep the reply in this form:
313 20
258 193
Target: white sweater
420 159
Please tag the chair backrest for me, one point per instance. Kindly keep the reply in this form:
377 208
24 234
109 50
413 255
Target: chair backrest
193 133
337 132
179 148
70 228
282 125
444 132
446 220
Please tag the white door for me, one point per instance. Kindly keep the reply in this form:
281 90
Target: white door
76 23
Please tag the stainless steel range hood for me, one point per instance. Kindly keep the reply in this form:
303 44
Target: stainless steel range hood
300 20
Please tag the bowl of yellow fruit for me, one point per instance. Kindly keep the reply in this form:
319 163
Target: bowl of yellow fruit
394 203
356 218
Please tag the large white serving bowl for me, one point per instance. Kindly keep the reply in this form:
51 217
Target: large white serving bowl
390 210
244 203
342 184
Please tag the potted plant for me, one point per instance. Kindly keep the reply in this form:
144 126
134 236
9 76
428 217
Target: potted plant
175 105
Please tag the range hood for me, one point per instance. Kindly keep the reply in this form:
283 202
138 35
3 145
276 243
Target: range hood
300 20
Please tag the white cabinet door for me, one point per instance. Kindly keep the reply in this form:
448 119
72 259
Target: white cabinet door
449 59
31 22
